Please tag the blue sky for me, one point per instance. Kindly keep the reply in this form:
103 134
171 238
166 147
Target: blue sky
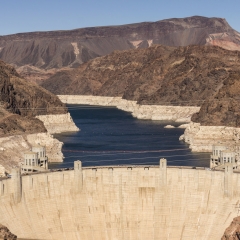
45 15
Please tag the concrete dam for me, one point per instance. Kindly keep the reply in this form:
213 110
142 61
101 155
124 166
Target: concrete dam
121 203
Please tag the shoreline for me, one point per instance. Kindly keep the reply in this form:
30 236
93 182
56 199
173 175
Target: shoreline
13 147
200 138
150 112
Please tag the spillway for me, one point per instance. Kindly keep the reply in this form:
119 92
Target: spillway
122 202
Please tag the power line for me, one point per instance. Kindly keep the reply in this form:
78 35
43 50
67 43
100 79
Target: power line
85 106
135 163
130 152
82 156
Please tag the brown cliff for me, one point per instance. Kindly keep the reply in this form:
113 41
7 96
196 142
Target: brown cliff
20 101
223 109
161 75
38 55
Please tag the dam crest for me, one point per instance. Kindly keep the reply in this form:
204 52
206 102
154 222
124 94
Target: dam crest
121 202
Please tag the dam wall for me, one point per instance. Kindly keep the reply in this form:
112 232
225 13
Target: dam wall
152 112
122 202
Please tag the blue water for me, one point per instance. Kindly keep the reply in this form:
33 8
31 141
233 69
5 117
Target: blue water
110 136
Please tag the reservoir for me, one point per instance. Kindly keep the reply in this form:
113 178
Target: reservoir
110 136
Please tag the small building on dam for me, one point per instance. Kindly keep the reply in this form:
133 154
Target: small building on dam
122 202
35 160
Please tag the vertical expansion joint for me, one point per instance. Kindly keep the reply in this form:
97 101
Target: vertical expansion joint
2 188
17 184
78 178
228 174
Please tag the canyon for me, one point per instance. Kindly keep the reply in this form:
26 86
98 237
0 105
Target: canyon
193 77
197 84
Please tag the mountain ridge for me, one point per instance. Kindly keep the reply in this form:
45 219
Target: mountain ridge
38 55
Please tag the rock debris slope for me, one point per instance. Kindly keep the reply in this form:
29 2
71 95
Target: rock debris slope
37 55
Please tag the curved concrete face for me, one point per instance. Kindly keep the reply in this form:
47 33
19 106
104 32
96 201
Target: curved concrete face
121 203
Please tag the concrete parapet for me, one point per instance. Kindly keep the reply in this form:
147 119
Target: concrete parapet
17 184
78 178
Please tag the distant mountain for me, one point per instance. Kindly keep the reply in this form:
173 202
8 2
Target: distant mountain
188 76
21 101
38 55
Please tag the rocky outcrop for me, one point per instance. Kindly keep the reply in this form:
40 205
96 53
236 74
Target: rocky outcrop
169 126
5 234
13 148
202 138
233 231
58 123
153 112
42 53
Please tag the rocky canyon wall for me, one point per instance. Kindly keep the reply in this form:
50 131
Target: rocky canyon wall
202 138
